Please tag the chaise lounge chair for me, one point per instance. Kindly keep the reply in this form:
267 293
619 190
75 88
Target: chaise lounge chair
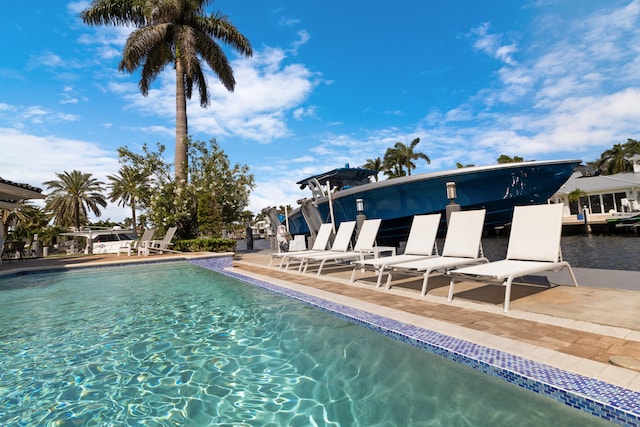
420 244
160 245
319 245
365 242
341 243
462 246
137 245
534 246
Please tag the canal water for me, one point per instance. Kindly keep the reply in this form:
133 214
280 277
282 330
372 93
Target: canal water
611 252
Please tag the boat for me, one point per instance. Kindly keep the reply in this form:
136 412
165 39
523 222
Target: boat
103 240
496 188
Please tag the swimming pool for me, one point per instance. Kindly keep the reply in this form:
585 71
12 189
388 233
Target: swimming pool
176 344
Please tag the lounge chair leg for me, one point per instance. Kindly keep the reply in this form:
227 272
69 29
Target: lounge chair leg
450 296
425 281
507 293
353 274
320 267
573 276
380 273
389 279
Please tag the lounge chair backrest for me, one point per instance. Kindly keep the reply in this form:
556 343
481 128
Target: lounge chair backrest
169 235
464 233
422 236
368 234
343 236
147 235
322 238
535 233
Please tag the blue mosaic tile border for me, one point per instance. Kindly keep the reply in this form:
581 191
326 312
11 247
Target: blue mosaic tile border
604 400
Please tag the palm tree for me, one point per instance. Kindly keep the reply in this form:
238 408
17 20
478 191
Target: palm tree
462 165
374 165
614 160
393 162
402 155
126 189
176 32
73 193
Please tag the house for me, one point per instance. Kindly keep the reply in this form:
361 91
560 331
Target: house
605 194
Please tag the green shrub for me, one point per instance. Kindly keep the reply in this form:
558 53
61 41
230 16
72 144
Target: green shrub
205 245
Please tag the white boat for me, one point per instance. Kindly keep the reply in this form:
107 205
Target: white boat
103 240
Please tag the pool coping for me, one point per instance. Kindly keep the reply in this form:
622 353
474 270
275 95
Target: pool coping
596 397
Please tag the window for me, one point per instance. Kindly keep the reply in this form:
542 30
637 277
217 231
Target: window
607 202
595 204
618 197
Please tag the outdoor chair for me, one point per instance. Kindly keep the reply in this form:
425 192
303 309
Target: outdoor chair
138 245
341 244
159 246
534 246
420 244
462 246
366 241
320 244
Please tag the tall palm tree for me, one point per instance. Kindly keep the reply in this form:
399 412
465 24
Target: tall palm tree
73 193
374 165
126 188
177 33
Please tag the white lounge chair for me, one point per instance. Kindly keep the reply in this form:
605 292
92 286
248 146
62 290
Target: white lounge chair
341 243
421 244
159 245
462 246
534 246
319 245
365 242
137 245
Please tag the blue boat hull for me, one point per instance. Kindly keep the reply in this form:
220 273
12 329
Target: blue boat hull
495 188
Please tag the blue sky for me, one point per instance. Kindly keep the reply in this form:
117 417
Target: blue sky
330 83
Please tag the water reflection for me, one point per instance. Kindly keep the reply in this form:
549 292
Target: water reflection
613 252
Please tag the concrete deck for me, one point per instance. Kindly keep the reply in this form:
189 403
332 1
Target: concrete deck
575 329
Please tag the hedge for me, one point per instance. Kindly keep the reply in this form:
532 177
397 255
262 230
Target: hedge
205 245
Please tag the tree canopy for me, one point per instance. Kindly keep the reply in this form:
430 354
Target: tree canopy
617 158
72 195
216 197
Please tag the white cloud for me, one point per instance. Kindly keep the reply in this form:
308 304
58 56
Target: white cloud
55 155
491 44
76 7
256 110
303 38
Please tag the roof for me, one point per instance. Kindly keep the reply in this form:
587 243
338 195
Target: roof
12 192
601 183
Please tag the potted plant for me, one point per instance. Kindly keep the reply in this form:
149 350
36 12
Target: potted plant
575 197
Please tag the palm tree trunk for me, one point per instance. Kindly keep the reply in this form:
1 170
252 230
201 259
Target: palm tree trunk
76 214
181 165
133 216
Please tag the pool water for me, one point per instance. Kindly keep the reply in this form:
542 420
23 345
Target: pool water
176 344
